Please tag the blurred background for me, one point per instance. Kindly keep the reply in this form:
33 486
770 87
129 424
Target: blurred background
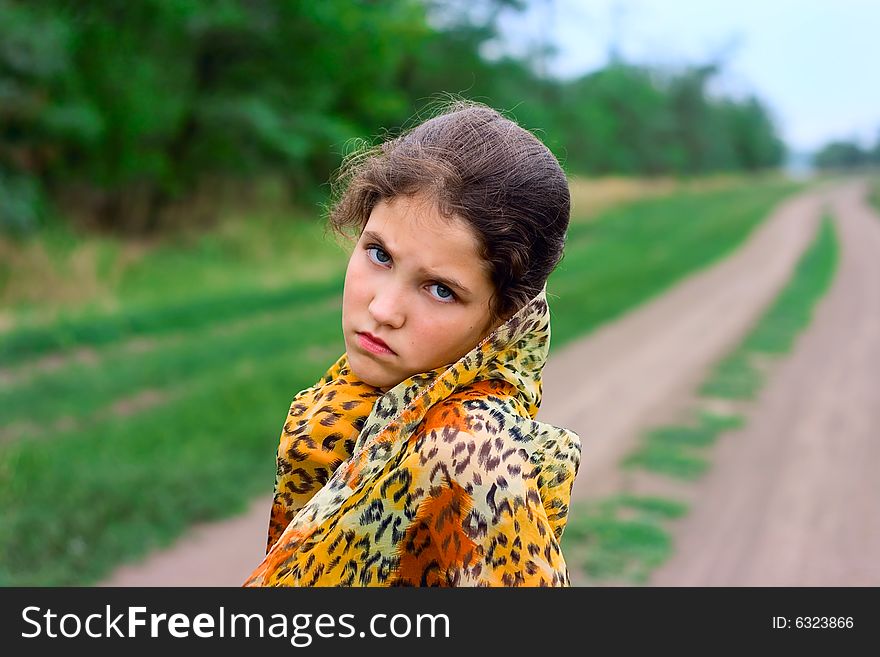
167 286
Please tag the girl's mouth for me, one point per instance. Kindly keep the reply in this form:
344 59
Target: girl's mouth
373 345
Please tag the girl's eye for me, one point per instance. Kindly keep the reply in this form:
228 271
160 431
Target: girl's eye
443 287
449 297
376 248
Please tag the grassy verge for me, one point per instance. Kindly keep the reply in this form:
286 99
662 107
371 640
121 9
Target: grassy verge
26 343
187 362
76 502
670 450
874 194
607 545
619 539
736 377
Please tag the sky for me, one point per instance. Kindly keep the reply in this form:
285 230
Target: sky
813 62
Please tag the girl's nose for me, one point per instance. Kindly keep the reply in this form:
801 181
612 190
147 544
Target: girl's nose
387 306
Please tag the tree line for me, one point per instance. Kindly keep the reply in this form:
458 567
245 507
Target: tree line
844 154
127 108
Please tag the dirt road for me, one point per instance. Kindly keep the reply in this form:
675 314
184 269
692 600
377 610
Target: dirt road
639 371
608 387
793 499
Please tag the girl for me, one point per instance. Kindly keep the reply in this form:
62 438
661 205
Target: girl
416 460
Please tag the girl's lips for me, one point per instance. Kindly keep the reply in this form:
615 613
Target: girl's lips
372 346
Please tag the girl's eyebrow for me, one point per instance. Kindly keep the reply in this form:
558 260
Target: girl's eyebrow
445 280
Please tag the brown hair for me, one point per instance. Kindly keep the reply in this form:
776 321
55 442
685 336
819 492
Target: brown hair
479 166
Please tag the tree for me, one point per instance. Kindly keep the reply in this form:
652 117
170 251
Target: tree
841 155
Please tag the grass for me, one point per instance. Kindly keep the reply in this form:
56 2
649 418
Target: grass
82 496
736 377
632 253
874 194
674 450
592 196
23 344
621 539
81 390
65 277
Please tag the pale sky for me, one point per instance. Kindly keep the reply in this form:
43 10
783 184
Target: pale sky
814 62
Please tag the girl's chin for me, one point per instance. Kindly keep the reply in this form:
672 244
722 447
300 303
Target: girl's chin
367 374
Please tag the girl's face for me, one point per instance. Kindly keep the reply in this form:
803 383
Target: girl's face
416 282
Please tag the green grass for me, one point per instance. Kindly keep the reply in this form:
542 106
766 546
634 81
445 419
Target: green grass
874 194
228 358
76 503
632 253
736 377
65 276
23 344
187 362
621 538
673 450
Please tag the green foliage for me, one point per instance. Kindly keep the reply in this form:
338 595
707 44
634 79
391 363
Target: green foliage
840 155
22 204
127 108
846 155
634 120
